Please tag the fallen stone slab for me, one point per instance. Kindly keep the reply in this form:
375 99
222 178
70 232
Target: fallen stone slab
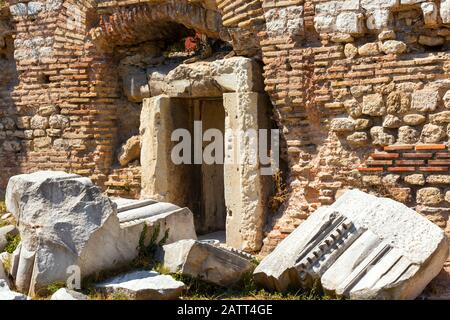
361 247
171 220
205 261
7 294
143 285
67 294
67 224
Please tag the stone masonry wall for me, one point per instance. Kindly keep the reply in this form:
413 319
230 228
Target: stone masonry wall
359 90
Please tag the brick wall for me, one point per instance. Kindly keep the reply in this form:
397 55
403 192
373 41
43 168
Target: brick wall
351 82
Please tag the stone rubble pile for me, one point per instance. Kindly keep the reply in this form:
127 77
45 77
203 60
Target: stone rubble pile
65 221
361 247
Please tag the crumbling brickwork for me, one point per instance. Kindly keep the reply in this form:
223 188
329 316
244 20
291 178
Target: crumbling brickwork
359 90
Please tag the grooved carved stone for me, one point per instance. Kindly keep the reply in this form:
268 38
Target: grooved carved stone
361 247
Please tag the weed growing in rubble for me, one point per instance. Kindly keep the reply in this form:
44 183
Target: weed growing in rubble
146 253
53 287
12 242
281 192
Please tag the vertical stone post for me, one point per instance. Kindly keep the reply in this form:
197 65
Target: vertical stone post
246 190
161 178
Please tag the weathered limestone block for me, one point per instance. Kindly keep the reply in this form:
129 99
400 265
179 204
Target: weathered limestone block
361 247
415 179
19 9
350 22
247 186
445 11
143 285
205 261
130 151
373 105
408 135
358 139
432 133
47 111
387 35
378 19
324 23
285 21
58 121
353 108
438 179
381 137
34 7
391 122
430 13
67 294
39 122
440 118
393 47
414 119
369 49
429 196
402 195
350 50
66 222
342 125
206 79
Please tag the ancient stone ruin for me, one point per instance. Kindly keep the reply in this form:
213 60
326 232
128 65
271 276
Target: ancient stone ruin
358 90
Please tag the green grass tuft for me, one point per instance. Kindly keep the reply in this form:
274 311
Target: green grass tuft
52 288
12 242
146 255
245 289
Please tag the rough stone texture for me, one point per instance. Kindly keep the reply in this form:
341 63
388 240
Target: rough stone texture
205 261
67 294
78 227
432 134
393 47
429 196
425 100
361 247
373 105
130 151
310 70
143 285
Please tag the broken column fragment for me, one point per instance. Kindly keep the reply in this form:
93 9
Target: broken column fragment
66 224
361 247
205 261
